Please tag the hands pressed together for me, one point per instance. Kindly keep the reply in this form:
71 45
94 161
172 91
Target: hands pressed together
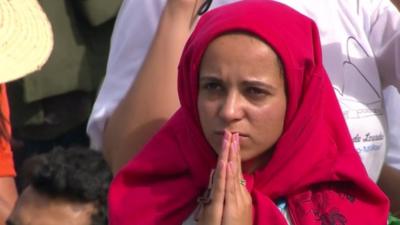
230 201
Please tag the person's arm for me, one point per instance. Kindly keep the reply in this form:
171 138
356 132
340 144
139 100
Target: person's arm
134 29
152 98
8 197
389 181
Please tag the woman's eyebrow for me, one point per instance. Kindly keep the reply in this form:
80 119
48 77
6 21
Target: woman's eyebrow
209 78
258 84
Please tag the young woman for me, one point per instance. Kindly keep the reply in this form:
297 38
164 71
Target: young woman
257 108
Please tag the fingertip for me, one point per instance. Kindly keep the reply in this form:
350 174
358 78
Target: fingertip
227 135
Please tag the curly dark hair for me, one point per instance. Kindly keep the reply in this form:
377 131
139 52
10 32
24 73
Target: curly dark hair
77 174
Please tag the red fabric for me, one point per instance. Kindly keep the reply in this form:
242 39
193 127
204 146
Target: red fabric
6 157
314 165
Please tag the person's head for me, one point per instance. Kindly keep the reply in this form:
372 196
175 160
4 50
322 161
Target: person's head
247 72
67 186
242 93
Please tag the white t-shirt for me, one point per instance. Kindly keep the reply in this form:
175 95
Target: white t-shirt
360 43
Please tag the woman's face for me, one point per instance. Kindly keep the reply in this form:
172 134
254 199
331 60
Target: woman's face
242 89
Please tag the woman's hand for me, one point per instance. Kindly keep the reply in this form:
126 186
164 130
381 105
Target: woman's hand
238 204
211 214
230 201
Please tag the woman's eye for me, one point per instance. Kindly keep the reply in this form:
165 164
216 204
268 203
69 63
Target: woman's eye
212 86
256 92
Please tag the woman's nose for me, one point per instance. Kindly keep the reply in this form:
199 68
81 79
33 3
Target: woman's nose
231 108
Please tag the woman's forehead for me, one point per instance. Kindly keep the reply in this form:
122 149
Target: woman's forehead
231 43
241 48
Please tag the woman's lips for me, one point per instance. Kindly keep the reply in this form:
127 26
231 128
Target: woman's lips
221 133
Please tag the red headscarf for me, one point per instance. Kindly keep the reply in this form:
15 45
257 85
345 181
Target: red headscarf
314 164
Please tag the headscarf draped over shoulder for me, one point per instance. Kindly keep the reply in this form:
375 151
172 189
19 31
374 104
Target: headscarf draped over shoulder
314 165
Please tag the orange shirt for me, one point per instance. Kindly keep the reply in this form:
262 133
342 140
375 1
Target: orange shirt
6 156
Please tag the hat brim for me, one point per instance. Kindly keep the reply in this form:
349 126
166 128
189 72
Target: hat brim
26 38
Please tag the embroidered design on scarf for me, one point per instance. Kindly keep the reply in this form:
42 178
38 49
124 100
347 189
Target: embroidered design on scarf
323 209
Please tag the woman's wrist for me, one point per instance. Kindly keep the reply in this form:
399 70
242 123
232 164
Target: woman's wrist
183 12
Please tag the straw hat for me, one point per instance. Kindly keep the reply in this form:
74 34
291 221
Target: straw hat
26 38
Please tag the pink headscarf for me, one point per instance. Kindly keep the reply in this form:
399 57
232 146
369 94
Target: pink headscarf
314 165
